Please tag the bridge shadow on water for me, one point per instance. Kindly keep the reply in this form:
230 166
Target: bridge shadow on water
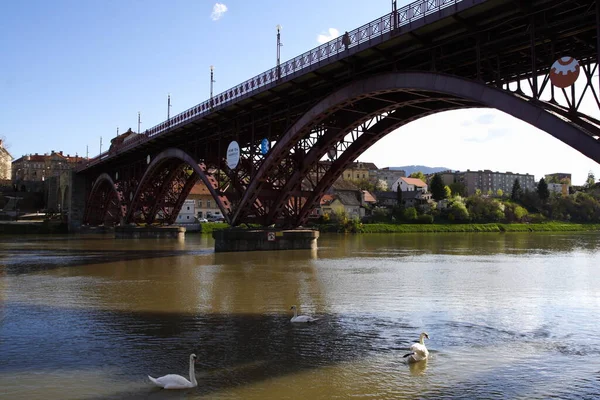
232 350
23 255
35 260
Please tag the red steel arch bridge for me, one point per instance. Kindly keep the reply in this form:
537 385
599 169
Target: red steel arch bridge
336 100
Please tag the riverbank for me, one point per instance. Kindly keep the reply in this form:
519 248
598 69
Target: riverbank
439 228
38 227
208 228
32 227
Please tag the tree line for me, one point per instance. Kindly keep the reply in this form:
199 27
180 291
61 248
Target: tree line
519 205
451 204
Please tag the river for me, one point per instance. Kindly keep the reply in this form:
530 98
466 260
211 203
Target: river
508 316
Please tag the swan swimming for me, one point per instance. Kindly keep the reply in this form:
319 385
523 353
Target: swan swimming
418 351
174 381
301 318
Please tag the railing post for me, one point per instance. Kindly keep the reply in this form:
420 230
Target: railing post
395 16
534 85
598 36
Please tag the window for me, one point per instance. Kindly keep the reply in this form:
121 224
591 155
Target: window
188 208
199 203
207 203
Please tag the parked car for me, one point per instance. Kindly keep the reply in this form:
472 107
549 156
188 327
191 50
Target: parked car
201 220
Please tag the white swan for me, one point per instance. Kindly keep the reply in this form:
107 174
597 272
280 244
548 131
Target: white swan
301 318
174 381
418 351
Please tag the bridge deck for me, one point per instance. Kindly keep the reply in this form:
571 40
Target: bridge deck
443 38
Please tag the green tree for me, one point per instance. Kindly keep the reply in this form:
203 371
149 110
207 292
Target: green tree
591 179
499 193
520 213
458 189
437 188
484 209
458 212
516 192
410 214
418 175
514 212
363 184
448 192
542 190
477 192
566 181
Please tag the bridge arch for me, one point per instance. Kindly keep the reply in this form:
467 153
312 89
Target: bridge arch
166 184
105 204
400 91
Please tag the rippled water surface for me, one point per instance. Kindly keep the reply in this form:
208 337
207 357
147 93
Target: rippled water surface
508 316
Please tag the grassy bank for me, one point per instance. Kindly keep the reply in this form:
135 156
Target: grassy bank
207 228
492 227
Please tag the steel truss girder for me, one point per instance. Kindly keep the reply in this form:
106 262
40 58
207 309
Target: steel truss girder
541 52
465 93
165 185
105 204
238 180
374 133
167 197
336 138
573 97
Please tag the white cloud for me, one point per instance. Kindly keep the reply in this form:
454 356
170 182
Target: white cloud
219 9
332 33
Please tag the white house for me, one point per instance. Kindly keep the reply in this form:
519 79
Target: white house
187 213
409 185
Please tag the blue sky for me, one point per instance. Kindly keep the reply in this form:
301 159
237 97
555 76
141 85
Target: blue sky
73 71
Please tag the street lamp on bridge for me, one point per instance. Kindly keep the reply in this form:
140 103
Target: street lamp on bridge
212 70
395 15
279 44
168 106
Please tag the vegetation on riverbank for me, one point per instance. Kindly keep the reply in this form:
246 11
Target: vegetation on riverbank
207 228
432 228
523 211
353 226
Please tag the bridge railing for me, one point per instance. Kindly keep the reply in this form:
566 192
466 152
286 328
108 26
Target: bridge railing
325 52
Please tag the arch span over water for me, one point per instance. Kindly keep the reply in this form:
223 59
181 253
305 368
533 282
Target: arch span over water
445 92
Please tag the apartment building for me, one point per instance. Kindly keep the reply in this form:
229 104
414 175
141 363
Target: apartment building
358 171
390 176
448 177
488 180
38 167
558 177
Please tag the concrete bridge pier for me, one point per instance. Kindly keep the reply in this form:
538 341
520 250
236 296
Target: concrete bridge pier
230 240
77 206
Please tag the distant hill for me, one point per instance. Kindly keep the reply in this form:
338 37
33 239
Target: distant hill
409 169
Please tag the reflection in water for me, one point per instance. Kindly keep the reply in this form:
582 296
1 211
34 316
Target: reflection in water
418 368
101 314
